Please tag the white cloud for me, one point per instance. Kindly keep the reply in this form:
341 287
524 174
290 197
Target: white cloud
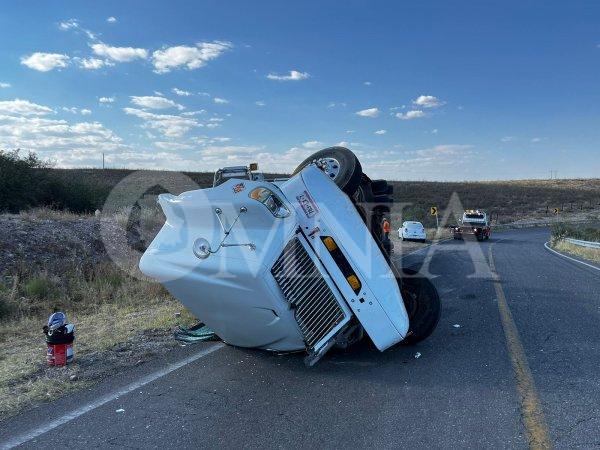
190 57
213 125
428 101
410 115
350 131
443 150
508 139
312 144
152 102
111 19
71 110
381 132
45 62
106 99
334 104
367 83
73 24
93 63
68 24
24 108
169 125
4 85
434 131
181 92
260 103
220 101
119 54
193 113
85 112
172 145
68 144
294 75
536 139
434 162
370 112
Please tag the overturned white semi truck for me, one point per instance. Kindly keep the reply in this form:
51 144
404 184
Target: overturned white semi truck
294 264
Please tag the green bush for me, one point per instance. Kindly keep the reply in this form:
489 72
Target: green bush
20 181
27 182
39 288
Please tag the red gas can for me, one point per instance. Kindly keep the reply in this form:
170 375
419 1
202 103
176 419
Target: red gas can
59 338
59 354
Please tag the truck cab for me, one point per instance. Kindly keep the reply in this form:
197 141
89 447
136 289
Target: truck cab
474 223
288 265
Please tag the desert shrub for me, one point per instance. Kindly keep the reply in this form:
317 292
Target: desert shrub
27 182
20 181
39 287
561 231
6 309
72 195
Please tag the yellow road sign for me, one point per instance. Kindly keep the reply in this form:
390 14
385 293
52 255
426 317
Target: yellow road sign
433 210
556 210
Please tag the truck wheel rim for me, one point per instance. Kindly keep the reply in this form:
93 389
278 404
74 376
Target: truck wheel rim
330 166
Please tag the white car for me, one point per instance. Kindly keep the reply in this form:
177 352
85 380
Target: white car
288 265
411 230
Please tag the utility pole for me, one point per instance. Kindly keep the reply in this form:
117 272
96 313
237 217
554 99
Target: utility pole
102 160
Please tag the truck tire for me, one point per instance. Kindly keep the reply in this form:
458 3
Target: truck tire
381 187
340 164
423 306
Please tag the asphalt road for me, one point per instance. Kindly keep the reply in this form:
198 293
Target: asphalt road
462 391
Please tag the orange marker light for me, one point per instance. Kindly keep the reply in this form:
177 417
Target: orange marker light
353 282
329 243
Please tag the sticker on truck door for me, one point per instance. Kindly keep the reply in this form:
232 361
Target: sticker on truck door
308 204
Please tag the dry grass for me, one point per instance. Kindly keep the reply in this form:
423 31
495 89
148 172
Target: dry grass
49 214
591 254
119 320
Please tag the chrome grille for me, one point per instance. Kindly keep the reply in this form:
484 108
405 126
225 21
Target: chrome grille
316 309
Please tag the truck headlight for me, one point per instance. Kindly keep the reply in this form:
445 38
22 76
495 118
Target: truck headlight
273 203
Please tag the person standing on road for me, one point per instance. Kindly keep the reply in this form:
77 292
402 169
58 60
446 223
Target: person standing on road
385 225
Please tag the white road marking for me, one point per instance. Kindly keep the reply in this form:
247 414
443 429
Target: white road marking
49 426
568 257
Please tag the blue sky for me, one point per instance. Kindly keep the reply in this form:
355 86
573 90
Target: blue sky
419 90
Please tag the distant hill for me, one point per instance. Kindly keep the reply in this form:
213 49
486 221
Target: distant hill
507 200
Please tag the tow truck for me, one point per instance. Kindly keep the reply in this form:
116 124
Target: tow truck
475 223
292 264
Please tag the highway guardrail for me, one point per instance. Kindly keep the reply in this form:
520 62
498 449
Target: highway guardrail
581 243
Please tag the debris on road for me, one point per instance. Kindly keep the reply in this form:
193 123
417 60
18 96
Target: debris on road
417 355
196 333
456 325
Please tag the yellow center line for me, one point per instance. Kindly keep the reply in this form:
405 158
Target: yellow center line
531 409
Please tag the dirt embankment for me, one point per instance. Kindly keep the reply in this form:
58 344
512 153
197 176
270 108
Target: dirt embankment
56 261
